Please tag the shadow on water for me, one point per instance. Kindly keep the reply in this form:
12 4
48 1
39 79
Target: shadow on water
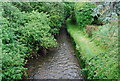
59 63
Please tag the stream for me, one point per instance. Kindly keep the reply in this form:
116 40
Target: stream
59 63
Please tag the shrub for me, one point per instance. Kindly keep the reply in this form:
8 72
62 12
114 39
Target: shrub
55 11
13 54
13 59
83 11
36 32
58 12
14 15
69 11
23 6
106 64
20 32
106 12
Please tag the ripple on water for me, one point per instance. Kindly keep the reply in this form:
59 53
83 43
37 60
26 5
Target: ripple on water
59 64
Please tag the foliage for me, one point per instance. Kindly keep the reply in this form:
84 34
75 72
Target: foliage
1 19
100 63
83 11
58 12
36 32
13 59
30 26
105 12
13 53
55 11
107 38
14 15
100 55
23 6
21 33
69 11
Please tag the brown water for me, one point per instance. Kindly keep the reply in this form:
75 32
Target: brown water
59 63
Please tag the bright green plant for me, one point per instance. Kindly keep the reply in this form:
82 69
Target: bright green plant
13 59
55 11
20 32
83 11
36 32
58 12
13 53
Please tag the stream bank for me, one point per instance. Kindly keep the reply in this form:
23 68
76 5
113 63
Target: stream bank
59 63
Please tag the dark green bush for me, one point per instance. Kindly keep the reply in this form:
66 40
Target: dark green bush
83 13
23 6
69 11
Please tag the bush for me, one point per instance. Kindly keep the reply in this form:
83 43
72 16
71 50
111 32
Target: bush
23 6
69 11
58 12
13 60
36 32
13 54
55 11
83 13
21 33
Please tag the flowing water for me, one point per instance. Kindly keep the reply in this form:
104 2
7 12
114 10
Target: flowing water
59 63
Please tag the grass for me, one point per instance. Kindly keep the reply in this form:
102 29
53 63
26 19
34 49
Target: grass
103 64
83 44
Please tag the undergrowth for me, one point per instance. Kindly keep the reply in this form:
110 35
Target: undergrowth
98 63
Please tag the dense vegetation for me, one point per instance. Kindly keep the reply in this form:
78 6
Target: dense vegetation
55 11
83 13
100 51
13 51
29 29
25 32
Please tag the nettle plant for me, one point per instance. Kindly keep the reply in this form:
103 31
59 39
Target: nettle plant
83 13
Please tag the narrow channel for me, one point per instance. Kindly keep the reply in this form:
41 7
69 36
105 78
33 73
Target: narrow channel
59 63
